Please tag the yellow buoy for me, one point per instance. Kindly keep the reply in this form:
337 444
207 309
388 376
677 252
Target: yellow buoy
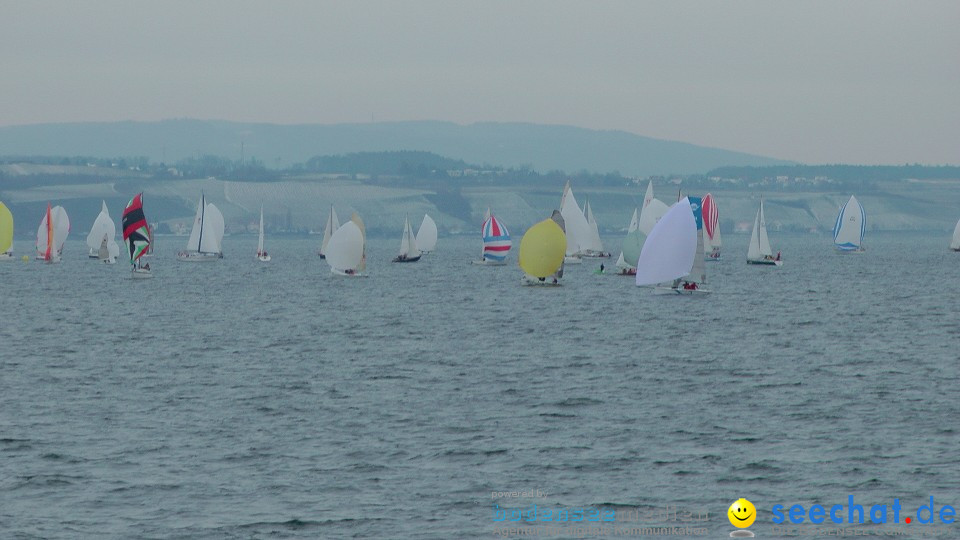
25 258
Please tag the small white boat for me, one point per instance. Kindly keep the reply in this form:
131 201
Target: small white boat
851 223
136 236
408 245
103 253
711 229
332 225
261 254
427 235
594 247
760 251
576 228
206 236
53 232
672 256
103 227
346 252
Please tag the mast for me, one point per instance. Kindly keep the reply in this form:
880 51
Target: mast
203 209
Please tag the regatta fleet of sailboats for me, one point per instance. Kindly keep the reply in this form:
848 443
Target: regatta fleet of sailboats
664 247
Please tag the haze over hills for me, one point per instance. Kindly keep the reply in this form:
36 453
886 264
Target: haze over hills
542 147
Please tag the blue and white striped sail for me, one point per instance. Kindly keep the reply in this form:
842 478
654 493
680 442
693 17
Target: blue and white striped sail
851 223
496 240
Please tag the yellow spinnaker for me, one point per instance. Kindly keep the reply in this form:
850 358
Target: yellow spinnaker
542 249
6 228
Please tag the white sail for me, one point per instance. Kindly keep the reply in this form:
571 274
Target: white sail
345 249
955 243
260 239
851 221
759 243
594 244
650 215
486 215
332 225
408 244
103 226
427 235
61 229
634 225
103 253
213 229
193 243
671 247
577 228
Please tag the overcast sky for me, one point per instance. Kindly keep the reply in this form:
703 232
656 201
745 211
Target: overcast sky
868 81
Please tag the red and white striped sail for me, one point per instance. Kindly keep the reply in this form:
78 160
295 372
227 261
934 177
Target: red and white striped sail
496 240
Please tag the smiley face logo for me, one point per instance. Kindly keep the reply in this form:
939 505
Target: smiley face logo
742 513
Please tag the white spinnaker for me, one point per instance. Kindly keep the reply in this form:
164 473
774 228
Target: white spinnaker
345 249
427 234
670 248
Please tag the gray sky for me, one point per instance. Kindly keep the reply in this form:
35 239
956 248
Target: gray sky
867 81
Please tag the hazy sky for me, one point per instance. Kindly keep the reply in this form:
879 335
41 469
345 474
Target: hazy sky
867 81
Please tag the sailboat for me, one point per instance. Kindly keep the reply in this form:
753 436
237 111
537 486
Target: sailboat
346 251
332 225
848 231
672 256
496 242
954 243
759 251
631 246
261 254
53 232
206 237
136 236
711 229
577 230
427 235
103 234
542 252
650 213
6 233
594 246
408 245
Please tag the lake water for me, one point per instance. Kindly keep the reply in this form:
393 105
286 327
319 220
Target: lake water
250 400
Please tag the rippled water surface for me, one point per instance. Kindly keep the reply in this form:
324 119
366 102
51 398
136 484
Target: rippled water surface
250 400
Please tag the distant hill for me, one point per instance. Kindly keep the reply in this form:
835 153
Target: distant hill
541 147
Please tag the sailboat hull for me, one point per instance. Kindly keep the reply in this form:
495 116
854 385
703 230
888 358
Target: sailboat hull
597 255
681 291
572 259
765 262
263 258
344 273
6 256
406 259
529 281
488 262
141 273
198 257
